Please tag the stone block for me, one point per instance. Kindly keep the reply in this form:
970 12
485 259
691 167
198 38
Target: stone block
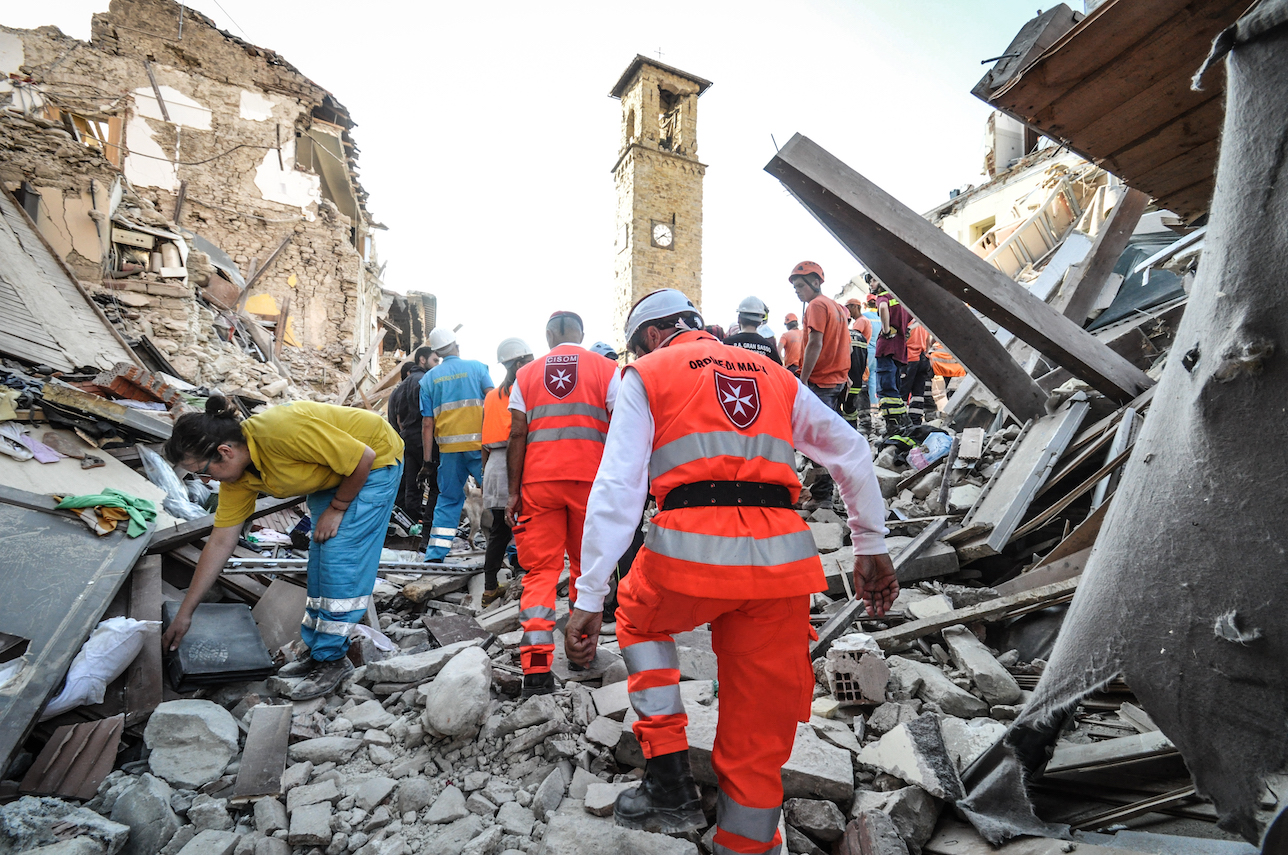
604 731
828 537
486 843
549 795
914 811
272 846
818 818
416 667
211 842
581 781
145 808
207 812
537 709
872 833
311 825
928 607
458 700
888 480
936 560
887 716
191 742
573 831
514 818
370 714
453 838
967 739
936 688
270 816
373 791
414 794
915 753
994 682
325 749
311 794
448 807
600 797
962 498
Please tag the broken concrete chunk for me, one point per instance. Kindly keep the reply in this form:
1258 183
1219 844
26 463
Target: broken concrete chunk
453 838
311 794
371 792
914 811
601 797
994 682
270 816
207 812
548 796
887 479
873 833
368 715
581 781
575 832
967 739
416 667
325 749
887 716
145 808
448 807
310 826
936 688
191 742
459 699
937 604
915 753
414 794
799 844
210 842
962 498
604 731
819 819
537 709
828 537
514 818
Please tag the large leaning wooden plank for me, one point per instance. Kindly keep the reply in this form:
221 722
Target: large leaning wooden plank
952 321
1010 492
56 580
1086 280
953 268
985 611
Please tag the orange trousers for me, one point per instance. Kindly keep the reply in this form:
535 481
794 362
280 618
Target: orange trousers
550 523
765 681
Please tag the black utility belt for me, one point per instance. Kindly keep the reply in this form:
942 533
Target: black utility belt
747 494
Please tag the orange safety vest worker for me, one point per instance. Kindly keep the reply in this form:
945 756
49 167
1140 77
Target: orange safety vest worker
496 417
944 363
566 397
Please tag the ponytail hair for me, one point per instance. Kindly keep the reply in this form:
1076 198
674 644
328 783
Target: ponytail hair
512 372
197 436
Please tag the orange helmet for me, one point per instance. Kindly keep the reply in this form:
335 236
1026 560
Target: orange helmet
806 267
854 301
791 318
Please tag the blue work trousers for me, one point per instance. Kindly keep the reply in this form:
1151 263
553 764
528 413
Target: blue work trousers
342 570
889 398
454 467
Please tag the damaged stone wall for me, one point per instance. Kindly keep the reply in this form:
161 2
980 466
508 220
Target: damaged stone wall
226 129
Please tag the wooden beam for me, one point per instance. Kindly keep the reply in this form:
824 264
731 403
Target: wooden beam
1087 279
955 269
841 622
952 321
986 611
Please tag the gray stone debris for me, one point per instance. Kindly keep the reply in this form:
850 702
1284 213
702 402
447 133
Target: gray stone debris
311 825
961 499
28 823
270 816
828 537
325 749
601 797
820 819
515 819
479 804
209 814
272 846
486 843
885 717
994 682
914 812
460 695
604 731
915 753
887 479
191 742
581 781
549 795
799 844
145 808
875 834
211 842
448 807
369 714
416 667
572 831
373 791
536 710
414 794
451 839
966 739
311 794
930 684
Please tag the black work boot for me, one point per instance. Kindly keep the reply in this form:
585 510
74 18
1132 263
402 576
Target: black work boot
322 679
538 684
298 668
666 801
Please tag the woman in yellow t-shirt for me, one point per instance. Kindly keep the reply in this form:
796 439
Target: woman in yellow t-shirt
346 462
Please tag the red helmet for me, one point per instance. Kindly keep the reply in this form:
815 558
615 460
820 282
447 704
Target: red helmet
806 267
791 318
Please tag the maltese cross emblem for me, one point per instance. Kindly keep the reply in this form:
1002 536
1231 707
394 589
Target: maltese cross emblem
561 374
739 398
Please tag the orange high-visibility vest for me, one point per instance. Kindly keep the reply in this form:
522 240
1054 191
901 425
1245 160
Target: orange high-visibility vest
566 397
496 417
724 414
944 363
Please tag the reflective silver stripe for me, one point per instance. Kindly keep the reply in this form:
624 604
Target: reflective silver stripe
328 627
699 446
552 434
546 410
530 639
752 823
460 437
543 612
457 405
443 532
731 551
440 541
717 849
650 656
658 700
332 604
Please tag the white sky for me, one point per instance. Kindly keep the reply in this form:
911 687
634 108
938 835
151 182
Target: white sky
487 136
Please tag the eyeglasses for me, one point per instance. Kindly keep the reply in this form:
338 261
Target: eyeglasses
205 470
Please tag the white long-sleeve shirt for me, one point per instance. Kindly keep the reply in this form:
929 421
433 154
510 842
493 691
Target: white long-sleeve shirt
621 485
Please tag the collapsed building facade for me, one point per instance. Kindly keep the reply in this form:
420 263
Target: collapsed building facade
202 188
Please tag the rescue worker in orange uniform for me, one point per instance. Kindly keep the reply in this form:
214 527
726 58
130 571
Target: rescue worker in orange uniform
559 408
709 430
914 383
513 353
856 407
792 344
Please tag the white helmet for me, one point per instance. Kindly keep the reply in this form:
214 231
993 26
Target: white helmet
658 305
754 306
512 348
441 337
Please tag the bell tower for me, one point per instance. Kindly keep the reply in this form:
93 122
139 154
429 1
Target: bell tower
659 185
